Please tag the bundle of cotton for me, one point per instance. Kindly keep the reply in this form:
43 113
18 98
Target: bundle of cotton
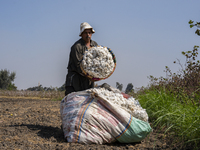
98 62
130 105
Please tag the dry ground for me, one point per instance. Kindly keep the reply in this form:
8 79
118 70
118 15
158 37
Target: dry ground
33 124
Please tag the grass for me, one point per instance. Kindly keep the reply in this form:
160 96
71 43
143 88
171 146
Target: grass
180 120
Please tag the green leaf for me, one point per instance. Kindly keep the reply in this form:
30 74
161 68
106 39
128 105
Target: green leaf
183 53
198 32
191 25
198 24
190 22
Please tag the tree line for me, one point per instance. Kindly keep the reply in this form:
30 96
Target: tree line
7 78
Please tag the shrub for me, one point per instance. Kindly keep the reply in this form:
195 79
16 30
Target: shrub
184 83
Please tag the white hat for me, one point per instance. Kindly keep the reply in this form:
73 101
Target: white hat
84 26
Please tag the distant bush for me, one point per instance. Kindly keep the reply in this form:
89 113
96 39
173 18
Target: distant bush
6 79
40 88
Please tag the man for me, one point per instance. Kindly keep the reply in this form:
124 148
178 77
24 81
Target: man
75 80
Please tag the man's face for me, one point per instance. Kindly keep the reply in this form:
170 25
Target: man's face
86 35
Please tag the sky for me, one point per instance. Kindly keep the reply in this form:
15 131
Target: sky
145 36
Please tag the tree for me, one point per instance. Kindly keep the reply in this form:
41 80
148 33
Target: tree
62 88
119 86
129 88
6 79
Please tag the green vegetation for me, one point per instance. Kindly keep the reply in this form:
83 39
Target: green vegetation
6 79
178 119
185 84
173 102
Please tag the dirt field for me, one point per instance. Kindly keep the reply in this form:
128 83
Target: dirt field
31 124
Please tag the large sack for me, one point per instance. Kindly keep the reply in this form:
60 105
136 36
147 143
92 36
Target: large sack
87 118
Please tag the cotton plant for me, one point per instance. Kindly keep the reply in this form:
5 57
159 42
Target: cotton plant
98 62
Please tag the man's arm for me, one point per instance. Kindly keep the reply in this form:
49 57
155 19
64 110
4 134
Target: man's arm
76 56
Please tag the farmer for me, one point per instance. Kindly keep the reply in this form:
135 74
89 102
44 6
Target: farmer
75 79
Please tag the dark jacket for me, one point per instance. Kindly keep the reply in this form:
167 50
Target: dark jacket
75 78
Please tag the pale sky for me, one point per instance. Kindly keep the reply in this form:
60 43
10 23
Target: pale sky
145 36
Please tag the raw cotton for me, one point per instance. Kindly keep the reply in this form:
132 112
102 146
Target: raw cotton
131 105
98 62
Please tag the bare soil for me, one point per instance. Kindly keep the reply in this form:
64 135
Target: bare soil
32 124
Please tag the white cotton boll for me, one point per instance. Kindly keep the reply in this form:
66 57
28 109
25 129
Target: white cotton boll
90 55
85 58
98 59
94 53
130 105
